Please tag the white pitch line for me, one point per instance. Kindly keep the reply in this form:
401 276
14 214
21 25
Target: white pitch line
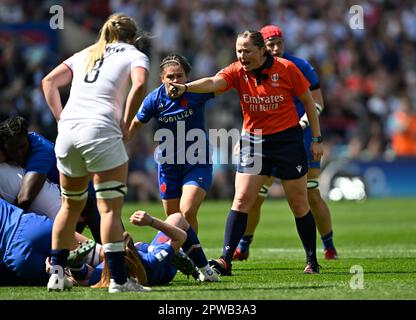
284 250
361 250
343 253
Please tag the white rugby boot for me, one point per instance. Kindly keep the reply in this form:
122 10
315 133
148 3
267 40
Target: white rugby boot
210 275
130 285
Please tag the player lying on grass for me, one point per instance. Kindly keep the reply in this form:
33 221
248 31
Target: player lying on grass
25 243
157 263
47 202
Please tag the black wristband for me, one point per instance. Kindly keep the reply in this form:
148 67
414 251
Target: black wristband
186 89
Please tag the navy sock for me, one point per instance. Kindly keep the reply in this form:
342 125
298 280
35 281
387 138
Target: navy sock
116 265
245 242
327 241
94 224
193 249
59 257
307 233
234 230
80 273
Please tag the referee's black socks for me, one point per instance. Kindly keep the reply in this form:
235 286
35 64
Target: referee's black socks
234 230
307 233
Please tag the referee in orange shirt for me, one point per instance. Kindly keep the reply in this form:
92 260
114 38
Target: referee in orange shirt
266 88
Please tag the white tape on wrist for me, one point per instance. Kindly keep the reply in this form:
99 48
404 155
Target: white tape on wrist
319 108
304 122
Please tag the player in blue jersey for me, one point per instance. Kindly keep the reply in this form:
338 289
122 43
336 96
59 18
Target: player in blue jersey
19 233
273 37
157 263
36 155
184 176
25 244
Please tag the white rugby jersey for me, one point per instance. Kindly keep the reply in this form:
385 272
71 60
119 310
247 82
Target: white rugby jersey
99 96
47 202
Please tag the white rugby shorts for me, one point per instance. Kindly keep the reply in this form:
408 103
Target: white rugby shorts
84 148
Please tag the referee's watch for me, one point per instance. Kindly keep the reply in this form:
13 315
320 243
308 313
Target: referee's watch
318 139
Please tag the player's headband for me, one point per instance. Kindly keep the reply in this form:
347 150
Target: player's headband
269 32
169 61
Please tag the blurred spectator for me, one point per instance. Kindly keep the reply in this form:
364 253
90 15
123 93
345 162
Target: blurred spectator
402 125
11 11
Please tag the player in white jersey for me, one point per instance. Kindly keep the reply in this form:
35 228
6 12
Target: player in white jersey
48 200
91 130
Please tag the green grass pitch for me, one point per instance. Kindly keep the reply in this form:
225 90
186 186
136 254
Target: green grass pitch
379 236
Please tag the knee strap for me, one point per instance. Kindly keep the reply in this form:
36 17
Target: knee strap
264 191
110 190
313 184
74 195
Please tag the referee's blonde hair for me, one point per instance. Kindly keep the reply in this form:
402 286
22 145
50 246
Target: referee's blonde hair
118 27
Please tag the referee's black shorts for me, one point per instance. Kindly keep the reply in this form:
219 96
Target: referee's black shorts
281 154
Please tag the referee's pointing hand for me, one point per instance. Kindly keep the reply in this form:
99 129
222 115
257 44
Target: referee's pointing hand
175 90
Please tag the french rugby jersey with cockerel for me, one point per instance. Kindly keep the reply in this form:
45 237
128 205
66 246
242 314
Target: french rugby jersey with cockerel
267 106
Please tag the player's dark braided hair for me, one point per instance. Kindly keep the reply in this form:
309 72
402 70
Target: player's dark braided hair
178 60
12 127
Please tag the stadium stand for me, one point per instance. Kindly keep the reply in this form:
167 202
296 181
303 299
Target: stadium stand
367 75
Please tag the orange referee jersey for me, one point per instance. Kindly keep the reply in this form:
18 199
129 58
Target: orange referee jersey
268 106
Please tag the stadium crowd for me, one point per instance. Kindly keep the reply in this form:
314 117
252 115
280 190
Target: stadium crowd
367 75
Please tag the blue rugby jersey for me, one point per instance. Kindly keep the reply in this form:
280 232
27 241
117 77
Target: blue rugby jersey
9 222
186 112
309 72
25 243
156 262
42 158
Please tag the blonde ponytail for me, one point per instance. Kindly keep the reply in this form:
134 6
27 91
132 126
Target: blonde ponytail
118 27
97 50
